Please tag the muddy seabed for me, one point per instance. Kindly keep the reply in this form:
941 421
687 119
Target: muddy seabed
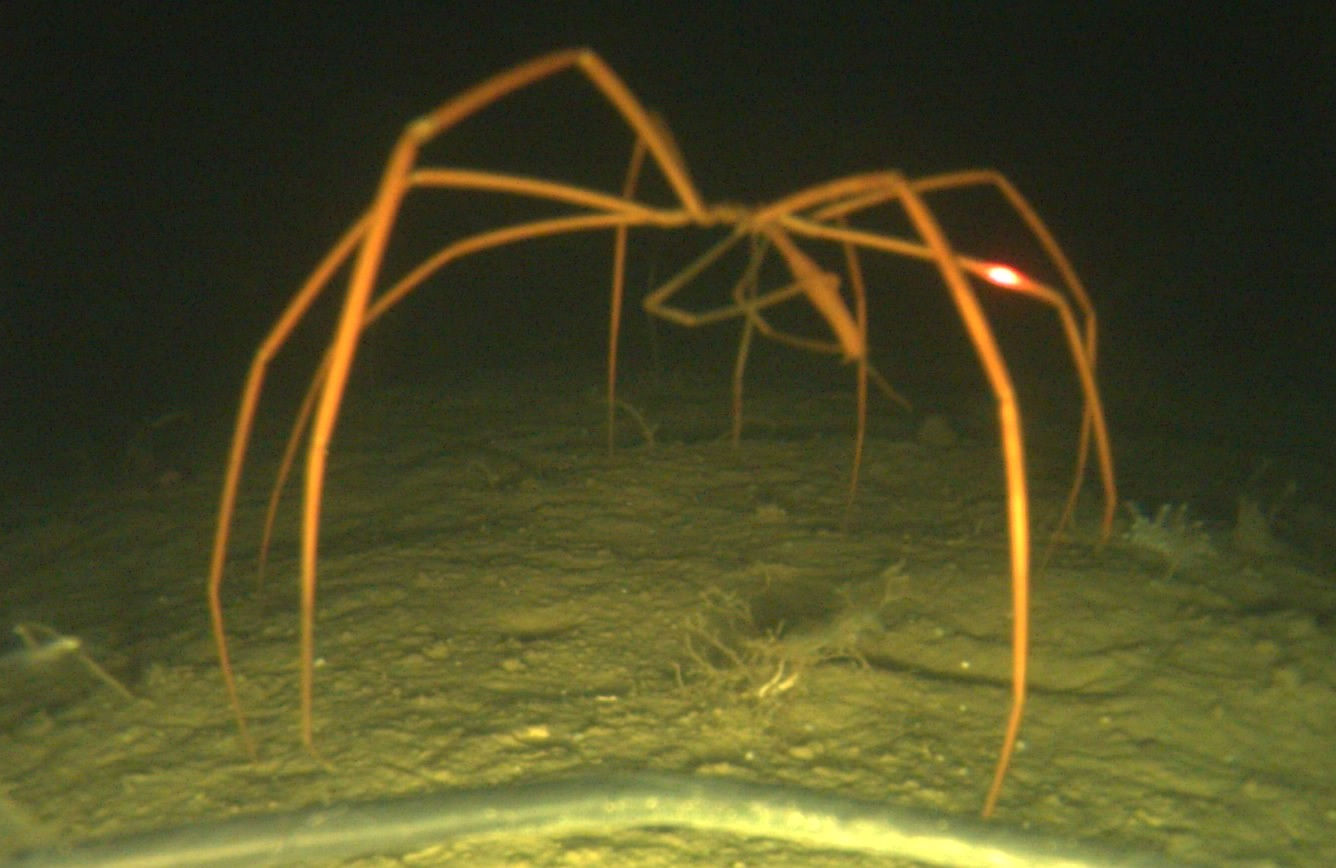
502 600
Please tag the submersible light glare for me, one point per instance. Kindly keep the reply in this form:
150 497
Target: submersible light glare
1003 275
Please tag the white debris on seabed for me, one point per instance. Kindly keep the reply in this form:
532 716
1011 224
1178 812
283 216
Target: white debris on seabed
1172 534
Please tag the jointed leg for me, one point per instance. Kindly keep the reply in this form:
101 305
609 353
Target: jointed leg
250 397
366 243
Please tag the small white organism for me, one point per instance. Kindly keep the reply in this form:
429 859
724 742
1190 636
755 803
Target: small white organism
1180 540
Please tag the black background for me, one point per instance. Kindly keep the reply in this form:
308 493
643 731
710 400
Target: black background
172 171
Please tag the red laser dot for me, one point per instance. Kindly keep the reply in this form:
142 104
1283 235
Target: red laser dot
1003 275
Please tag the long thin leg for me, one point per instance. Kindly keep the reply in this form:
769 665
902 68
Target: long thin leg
618 293
859 288
1013 454
832 201
1092 423
250 397
373 235
391 297
937 248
